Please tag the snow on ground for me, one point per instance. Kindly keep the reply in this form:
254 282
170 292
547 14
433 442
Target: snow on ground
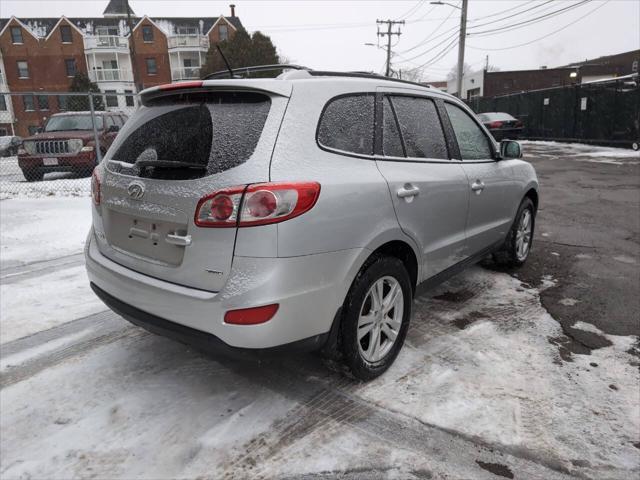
38 303
36 229
581 152
490 370
480 361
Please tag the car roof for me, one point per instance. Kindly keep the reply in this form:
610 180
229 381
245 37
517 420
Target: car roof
282 84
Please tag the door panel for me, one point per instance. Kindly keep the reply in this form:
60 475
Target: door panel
435 217
429 192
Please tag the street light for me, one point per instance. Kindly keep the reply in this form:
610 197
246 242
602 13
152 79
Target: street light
463 34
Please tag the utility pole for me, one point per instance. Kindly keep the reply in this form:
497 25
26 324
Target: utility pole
389 33
463 34
132 51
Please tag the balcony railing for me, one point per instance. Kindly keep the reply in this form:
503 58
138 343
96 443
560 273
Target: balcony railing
186 73
188 41
111 75
107 42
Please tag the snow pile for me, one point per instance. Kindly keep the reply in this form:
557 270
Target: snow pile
62 187
580 151
488 369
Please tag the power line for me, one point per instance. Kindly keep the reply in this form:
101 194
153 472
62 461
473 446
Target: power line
412 10
527 23
446 39
544 36
538 5
421 43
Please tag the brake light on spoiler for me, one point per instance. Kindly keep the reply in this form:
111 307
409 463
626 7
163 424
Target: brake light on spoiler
257 204
180 85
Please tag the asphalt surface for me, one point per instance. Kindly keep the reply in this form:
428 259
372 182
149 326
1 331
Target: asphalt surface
587 239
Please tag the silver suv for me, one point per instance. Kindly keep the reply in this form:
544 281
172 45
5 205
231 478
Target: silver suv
300 212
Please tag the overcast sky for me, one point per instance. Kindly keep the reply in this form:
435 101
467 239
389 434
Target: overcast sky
332 34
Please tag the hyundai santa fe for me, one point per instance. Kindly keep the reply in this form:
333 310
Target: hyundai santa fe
302 212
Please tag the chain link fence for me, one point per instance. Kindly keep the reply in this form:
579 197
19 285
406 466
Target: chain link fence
50 142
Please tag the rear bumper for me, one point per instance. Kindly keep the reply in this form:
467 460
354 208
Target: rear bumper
65 162
197 338
308 289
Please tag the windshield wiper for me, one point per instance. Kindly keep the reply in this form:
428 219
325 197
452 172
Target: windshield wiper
168 164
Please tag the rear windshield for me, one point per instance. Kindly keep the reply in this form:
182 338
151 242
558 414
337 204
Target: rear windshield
193 136
72 122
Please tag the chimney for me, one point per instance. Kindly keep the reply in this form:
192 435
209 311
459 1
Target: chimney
233 10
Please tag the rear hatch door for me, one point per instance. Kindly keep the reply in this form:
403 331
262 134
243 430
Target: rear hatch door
171 153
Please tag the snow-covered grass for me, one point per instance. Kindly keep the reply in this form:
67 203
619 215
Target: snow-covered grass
36 229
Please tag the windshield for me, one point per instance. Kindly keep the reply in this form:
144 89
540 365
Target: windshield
72 122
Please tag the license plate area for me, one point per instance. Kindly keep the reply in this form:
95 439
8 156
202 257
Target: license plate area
143 237
48 161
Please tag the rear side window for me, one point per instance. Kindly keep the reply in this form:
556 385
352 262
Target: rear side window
195 135
391 142
472 142
347 124
420 127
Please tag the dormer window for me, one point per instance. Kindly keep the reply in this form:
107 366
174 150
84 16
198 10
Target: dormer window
16 35
147 33
223 32
65 34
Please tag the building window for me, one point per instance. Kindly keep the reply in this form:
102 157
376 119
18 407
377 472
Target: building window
147 33
62 102
152 68
129 98
70 65
65 34
3 132
112 100
23 69
3 104
223 32
105 31
29 106
473 93
16 35
186 30
43 102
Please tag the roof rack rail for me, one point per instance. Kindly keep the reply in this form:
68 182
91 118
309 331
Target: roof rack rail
326 73
256 68
238 73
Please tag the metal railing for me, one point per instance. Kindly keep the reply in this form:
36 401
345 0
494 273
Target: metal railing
111 75
185 73
188 41
113 42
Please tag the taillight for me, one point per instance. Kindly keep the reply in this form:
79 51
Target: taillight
251 316
496 124
180 85
95 187
261 204
519 123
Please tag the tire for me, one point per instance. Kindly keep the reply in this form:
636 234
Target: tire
33 175
362 359
513 254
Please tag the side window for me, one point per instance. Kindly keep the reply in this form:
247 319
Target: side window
347 124
473 143
420 127
391 142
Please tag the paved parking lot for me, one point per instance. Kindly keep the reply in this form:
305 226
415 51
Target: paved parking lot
527 374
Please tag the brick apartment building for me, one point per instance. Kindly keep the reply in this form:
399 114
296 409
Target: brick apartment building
43 55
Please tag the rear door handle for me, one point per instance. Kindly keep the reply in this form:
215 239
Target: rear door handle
408 191
180 240
477 186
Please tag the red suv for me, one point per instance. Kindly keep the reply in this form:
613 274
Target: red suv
67 143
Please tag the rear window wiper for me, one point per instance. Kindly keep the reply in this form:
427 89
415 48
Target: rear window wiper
168 164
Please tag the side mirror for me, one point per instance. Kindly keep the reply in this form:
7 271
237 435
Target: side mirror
113 128
39 129
510 149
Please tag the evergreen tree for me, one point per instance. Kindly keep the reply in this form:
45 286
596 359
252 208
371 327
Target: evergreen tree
82 83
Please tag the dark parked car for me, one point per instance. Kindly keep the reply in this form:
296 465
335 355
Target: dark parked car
67 143
501 125
9 146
